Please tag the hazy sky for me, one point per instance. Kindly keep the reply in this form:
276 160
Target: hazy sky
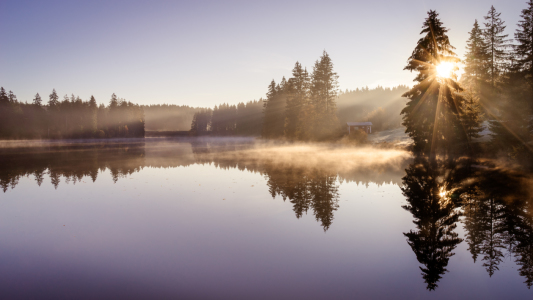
203 53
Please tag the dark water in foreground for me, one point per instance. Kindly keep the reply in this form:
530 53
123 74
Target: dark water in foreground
236 219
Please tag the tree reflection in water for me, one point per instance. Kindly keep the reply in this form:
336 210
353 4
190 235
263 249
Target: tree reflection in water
306 188
496 205
429 191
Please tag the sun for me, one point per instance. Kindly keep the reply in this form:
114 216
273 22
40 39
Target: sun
445 69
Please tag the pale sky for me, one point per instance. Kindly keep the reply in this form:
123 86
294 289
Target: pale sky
202 53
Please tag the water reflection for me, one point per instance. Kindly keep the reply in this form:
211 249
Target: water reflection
307 176
495 204
306 189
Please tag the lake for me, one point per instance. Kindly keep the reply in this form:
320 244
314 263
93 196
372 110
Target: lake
221 218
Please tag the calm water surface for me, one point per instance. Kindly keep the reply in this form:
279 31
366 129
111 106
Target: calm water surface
240 219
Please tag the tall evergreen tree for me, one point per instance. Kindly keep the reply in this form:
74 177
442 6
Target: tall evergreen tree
297 99
53 99
471 116
476 73
37 101
324 90
431 116
4 100
274 110
524 50
12 98
497 44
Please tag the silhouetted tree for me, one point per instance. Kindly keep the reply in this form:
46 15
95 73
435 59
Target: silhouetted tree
497 43
297 100
274 110
431 116
476 70
323 94
471 116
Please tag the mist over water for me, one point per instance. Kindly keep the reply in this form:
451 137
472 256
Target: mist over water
227 217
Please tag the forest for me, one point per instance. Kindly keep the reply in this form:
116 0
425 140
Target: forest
69 118
168 117
244 119
443 113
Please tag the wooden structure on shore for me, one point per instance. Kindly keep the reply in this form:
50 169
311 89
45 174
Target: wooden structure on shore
365 126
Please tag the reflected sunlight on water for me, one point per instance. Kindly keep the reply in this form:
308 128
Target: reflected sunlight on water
238 218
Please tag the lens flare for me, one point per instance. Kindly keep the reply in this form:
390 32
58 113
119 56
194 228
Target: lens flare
445 69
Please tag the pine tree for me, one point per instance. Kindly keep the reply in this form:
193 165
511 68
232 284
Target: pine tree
93 117
54 99
476 74
12 98
324 90
298 96
37 101
274 110
4 99
524 50
471 116
497 44
431 116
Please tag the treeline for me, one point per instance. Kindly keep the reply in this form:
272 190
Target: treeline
241 119
304 106
300 108
70 118
444 116
498 74
168 117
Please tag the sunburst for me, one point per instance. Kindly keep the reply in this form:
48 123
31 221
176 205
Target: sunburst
445 69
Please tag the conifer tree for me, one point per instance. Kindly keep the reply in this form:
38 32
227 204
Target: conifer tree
476 74
323 90
497 43
12 98
93 117
54 99
298 96
524 50
471 116
5 113
37 101
431 116
274 110
4 100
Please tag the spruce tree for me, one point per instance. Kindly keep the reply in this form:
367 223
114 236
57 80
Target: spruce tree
324 90
524 50
298 96
476 74
497 44
53 99
37 101
5 113
4 99
471 116
93 117
12 98
274 110
431 115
